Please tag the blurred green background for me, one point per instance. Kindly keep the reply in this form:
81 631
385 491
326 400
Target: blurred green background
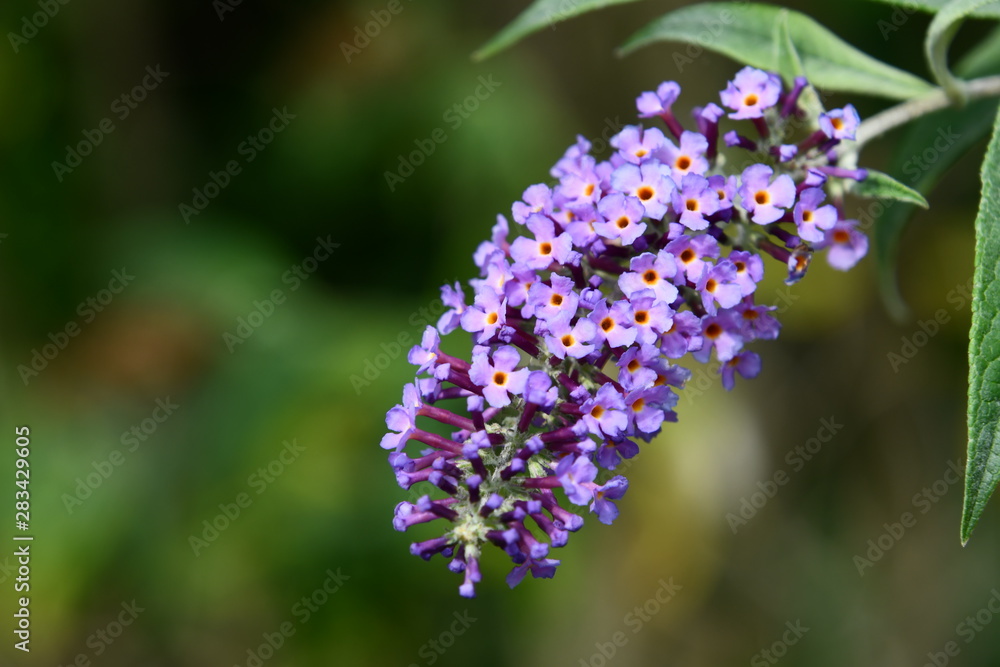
116 518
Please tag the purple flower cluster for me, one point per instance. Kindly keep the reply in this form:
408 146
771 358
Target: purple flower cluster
621 268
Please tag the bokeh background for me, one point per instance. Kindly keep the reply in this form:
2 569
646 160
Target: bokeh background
322 517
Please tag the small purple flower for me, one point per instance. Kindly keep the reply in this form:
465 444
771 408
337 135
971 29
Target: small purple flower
402 419
650 183
487 315
751 93
840 123
683 336
454 298
691 254
604 413
472 577
757 321
644 407
786 152
614 324
652 104
623 215
544 568
652 272
846 245
634 371
606 510
571 341
581 229
721 334
725 189
570 160
537 199
612 452
546 247
746 363
764 199
497 271
540 390
688 158
695 200
551 302
637 145
575 475
518 287
425 354
650 316
749 270
718 286
811 219
499 379
582 187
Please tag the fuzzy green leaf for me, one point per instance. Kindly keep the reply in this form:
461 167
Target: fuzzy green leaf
982 469
884 186
932 6
745 33
541 14
939 35
787 60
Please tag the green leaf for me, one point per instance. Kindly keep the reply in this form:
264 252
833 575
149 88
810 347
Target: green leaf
939 35
884 186
982 469
933 6
745 33
921 164
541 14
787 59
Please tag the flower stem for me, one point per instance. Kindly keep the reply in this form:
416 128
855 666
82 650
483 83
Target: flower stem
928 103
